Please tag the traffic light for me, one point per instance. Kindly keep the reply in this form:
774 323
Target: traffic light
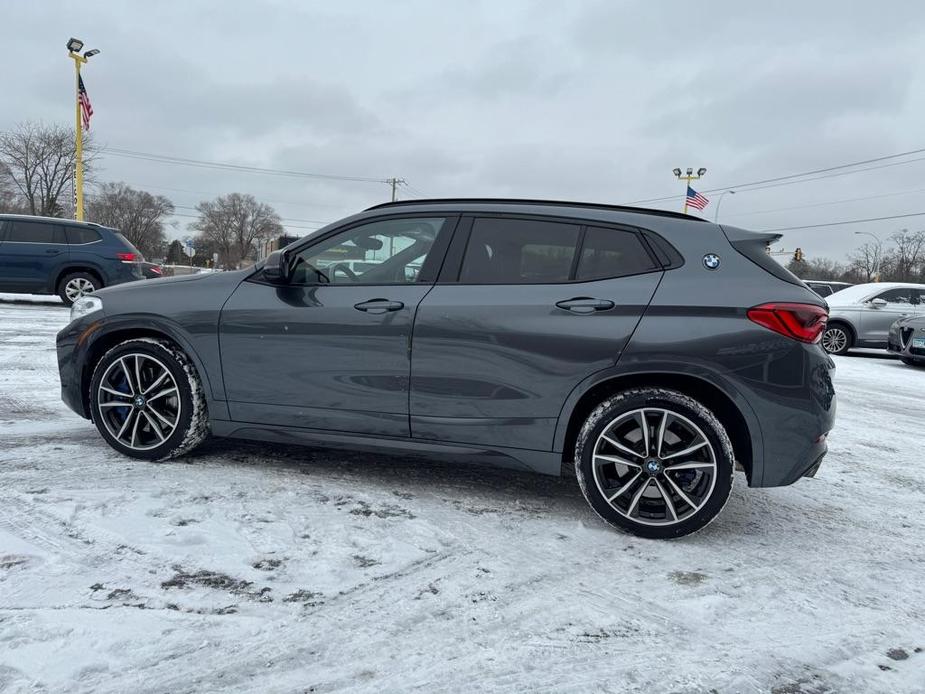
798 255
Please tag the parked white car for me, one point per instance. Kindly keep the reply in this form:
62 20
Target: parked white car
861 316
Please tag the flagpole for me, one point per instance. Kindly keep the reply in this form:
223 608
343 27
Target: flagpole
687 178
78 141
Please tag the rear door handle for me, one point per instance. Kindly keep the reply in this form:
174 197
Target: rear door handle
52 251
377 306
584 304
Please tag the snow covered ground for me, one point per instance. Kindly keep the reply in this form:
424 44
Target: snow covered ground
251 568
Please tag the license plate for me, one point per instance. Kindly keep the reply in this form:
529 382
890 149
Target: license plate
918 343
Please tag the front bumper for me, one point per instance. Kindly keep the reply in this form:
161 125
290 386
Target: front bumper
900 342
72 345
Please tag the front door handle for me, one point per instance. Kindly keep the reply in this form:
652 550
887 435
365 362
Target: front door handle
376 306
584 304
52 251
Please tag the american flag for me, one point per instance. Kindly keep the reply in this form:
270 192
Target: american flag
695 199
86 110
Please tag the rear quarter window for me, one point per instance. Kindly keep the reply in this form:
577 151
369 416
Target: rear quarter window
79 235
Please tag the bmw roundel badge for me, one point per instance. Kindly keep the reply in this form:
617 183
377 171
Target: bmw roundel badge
711 261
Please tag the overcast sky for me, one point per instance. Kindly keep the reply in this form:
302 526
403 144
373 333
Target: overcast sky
577 100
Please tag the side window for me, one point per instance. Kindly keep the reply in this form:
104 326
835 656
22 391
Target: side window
34 232
390 251
78 235
901 295
519 251
612 253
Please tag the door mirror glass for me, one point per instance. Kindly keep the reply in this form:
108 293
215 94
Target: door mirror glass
878 303
276 269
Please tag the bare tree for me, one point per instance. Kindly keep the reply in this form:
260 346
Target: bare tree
39 164
137 214
907 256
233 225
867 259
10 201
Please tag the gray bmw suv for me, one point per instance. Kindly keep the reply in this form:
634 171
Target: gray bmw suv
652 351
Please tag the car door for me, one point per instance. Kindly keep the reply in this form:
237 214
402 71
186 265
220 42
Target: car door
32 252
877 318
525 309
331 348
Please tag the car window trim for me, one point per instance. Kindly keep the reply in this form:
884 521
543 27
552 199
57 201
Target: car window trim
452 269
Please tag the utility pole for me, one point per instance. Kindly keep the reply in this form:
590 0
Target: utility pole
394 182
687 178
74 47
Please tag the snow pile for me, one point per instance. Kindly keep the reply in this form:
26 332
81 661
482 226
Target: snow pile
247 567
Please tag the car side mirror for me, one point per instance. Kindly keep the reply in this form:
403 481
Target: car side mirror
878 303
276 269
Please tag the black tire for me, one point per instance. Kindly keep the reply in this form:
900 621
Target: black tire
687 415
909 361
75 285
837 339
186 408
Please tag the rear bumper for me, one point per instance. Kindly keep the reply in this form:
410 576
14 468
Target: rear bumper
796 421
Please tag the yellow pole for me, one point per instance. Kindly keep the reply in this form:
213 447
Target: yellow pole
79 143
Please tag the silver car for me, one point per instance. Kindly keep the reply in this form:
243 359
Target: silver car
861 316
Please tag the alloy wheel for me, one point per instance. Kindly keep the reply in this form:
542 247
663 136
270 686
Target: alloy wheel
834 340
654 466
139 401
78 287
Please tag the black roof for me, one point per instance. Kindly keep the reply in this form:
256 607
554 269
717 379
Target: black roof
55 220
550 203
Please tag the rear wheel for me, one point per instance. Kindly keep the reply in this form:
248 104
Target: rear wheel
837 339
147 401
76 285
655 463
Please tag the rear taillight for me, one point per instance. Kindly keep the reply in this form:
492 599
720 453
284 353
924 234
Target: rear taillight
127 257
803 322
156 270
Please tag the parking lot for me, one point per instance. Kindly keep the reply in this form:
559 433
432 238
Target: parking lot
249 567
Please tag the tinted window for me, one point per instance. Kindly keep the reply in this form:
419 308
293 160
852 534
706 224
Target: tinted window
390 251
81 235
34 232
519 251
901 295
612 253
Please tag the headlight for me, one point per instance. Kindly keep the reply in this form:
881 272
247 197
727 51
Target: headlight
85 306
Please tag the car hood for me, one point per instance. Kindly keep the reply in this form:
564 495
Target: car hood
160 282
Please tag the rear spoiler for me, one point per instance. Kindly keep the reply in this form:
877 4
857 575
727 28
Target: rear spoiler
754 246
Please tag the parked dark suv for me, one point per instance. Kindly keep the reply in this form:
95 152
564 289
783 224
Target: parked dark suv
650 350
46 255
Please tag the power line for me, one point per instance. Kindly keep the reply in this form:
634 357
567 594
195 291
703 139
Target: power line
802 175
287 226
201 163
847 221
288 219
830 202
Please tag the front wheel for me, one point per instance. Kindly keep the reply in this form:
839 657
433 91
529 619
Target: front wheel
836 339
76 285
654 462
146 400
908 361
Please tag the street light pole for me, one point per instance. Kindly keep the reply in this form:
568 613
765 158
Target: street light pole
879 250
688 177
74 47
719 201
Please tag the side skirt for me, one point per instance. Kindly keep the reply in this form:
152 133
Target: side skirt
543 462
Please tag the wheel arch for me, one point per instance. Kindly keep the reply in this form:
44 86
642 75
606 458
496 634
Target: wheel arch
76 267
737 418
121 333
844 323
